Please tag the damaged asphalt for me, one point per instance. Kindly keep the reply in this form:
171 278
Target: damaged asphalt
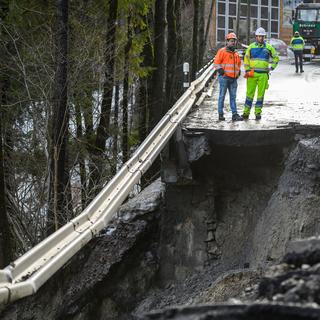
290 99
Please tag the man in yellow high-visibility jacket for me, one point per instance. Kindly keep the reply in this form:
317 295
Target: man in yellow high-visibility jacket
259 55
297 45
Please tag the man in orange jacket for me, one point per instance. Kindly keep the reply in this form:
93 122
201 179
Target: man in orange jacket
227 63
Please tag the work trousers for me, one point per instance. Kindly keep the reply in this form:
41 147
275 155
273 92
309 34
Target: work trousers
298 55
259 80
227 83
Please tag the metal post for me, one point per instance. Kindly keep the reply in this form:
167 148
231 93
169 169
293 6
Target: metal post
186 78
269 21
238 18
248 21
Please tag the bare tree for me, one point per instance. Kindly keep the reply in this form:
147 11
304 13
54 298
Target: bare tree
156 96
158 76
5 234
126 91
209 21
145 83
180 60
60 120
195 39
171 54
81 158
104 122
202 44
115 131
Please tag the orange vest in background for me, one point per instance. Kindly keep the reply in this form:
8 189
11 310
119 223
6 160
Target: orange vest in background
229 61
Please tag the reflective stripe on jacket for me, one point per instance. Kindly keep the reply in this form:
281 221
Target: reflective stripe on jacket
229 61
259 56
297 43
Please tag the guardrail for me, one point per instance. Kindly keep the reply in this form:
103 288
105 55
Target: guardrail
27 274
205 67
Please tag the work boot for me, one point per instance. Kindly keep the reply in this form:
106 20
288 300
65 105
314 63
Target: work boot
221 117
301 71
236 117
245 116
258 116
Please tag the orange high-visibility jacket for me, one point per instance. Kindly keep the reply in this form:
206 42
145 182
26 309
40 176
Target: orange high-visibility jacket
229 61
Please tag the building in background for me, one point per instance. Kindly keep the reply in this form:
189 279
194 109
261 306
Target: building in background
275 16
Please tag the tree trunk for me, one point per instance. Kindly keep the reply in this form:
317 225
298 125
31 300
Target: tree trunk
115 130
68 206
180 58
145 84
158 77
5 234
209 22
81 160
156 108
202 44
90 141
171 54
195 37
126 93
6 251
104 122
60 119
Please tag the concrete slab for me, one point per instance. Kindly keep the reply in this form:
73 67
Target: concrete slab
291 99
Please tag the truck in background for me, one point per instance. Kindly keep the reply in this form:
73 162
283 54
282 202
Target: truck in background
307 22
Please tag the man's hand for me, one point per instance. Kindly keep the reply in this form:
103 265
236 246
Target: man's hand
221 72
249 74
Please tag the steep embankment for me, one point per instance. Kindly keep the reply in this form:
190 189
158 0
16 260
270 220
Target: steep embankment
204 242
293 210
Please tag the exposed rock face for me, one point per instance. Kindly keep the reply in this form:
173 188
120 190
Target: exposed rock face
293 209
211 221
189 211
246 204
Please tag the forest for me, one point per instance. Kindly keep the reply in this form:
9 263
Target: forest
82 83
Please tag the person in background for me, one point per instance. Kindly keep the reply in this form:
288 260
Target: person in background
297 44
227 63
257 59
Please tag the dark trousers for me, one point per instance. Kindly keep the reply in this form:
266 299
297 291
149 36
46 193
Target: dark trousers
298 56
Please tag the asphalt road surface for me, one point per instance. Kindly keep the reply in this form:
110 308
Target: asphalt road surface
291 98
